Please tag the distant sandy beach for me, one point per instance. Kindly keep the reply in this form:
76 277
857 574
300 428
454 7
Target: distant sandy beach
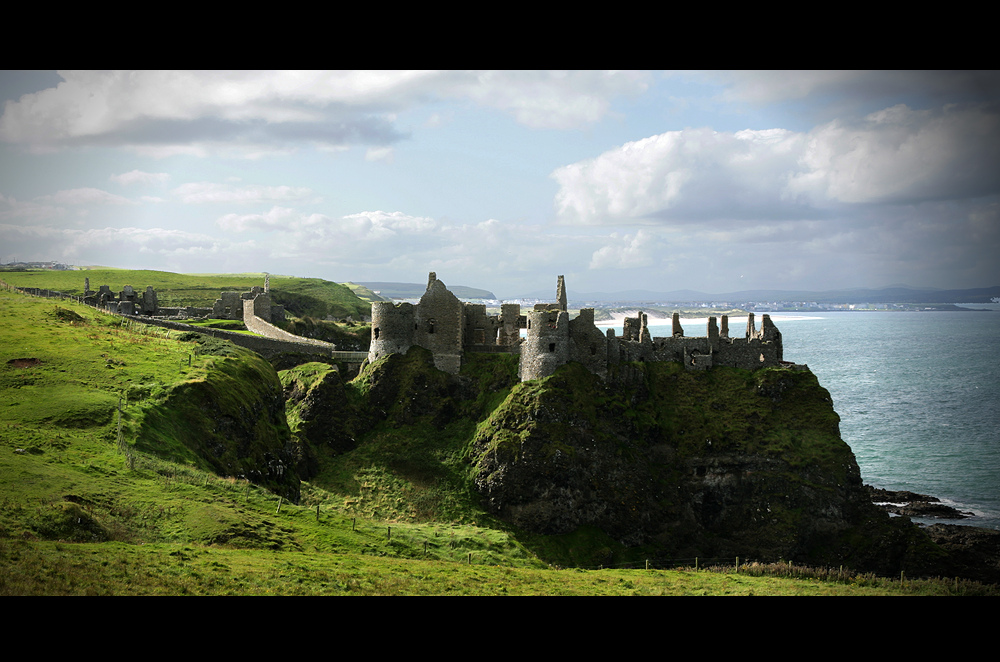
734 321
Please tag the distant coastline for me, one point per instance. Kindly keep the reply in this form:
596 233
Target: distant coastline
655 320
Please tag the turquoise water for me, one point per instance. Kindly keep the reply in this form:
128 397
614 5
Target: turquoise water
918 395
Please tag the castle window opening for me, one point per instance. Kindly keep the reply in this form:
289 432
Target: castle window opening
552 347
376 333
430 326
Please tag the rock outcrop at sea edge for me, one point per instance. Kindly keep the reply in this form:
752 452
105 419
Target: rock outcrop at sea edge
675 463
720 463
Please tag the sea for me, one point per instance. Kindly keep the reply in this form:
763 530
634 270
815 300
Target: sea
918 394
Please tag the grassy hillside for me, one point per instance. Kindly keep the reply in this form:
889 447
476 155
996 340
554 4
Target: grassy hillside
301 297
160 513
364 293
416 290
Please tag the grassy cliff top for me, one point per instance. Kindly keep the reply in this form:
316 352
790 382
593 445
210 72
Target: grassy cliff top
301 297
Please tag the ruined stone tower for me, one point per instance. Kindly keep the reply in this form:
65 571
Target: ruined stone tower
436 323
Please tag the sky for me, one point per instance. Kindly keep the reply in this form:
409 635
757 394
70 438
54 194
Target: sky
716 181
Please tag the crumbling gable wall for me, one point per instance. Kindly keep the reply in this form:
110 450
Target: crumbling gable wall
440 325
542 351
150 304
758 349
587 344
510 324
229 306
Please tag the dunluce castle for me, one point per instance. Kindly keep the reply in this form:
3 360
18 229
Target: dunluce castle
449 328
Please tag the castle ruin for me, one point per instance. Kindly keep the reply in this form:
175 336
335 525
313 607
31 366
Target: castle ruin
447 327
444 325
239 305
128 301
229 306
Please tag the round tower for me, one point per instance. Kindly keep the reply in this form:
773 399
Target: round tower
546 346
392 329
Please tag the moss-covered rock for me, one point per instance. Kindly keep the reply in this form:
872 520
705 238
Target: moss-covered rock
718 463
231 421
655 460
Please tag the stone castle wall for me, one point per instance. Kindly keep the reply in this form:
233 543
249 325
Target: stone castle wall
441 323
448 328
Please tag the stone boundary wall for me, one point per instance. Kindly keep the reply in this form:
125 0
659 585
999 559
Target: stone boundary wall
39 292
265 346
264 328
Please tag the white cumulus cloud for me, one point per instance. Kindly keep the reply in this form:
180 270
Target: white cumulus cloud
897 155
161 113
140 177
204 192
84 196
627 252
902 155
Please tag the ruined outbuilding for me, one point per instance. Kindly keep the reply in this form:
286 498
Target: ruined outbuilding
449 328
236 305
229 305
128 301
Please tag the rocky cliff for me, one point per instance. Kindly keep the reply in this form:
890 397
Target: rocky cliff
718 463
724 462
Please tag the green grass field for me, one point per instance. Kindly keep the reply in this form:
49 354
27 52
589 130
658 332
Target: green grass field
82 515
301 297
